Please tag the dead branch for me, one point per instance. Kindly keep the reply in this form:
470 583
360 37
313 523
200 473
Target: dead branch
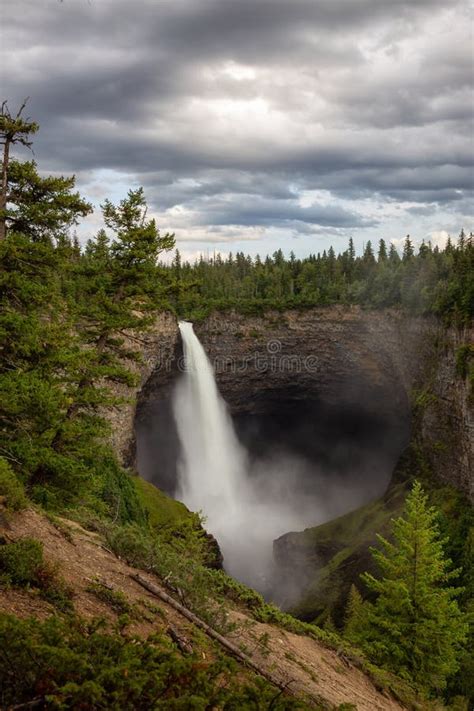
227 644
183 644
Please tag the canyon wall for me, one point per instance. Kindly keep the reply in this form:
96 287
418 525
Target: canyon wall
157 349
381 375
377 362
447 404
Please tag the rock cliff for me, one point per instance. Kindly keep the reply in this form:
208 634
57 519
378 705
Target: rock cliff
364 377
372 362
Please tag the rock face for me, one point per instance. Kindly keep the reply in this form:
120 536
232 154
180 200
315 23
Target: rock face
340 355
325 362
363 376
447 421
157 349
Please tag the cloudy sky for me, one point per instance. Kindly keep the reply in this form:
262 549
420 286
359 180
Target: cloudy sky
255 124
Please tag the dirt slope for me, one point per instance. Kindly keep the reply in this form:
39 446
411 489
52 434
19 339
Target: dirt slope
306 666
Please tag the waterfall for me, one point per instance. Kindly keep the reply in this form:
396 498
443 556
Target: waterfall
213 464
245 505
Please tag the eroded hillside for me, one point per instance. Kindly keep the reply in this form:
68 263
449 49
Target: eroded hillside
103 586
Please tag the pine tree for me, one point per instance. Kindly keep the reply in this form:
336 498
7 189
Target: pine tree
393 256
354 618
351 250
119 293
382 254
13 130
39 346
41 207
368 256
408 250
415 627
39 351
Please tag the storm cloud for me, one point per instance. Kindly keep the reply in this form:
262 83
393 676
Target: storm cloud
255 120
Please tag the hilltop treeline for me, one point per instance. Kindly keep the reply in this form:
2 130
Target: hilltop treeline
429 280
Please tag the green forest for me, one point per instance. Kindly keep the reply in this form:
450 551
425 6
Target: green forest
69 312
425 281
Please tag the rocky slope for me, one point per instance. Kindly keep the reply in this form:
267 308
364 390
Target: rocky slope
318 674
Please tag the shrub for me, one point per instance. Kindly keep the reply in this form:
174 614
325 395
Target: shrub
20 561
116 599
11 488
79 665
22 565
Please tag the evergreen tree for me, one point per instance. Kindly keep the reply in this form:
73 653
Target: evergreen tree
354 618
42 208
414 627
382 254
369 254
13 130
351 250
408 251
393 255
119 293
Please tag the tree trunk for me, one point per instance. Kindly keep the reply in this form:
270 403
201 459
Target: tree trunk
3 189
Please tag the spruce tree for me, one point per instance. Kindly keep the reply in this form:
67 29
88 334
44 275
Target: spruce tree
354 618
117 299
351 250
414 627
39 346
408 251
393 256
41 207
382 254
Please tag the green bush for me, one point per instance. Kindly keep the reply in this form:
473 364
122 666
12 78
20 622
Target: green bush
11 488
115 599
72 664
22 565
119 493
133 544
20 561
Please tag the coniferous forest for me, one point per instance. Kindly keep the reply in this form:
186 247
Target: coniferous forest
426 281
69 311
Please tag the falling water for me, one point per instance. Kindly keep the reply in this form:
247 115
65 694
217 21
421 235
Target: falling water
244 510
212 470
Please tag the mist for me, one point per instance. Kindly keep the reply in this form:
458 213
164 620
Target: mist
249 487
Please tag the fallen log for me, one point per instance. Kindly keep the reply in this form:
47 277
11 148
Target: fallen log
223 641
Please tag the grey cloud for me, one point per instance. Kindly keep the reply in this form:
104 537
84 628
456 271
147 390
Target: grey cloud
126 86
279 212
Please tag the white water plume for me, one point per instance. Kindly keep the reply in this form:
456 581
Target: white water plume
212 468
245 513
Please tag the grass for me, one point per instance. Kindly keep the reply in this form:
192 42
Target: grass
160 508
115 599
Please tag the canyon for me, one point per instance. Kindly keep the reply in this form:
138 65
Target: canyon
344 390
